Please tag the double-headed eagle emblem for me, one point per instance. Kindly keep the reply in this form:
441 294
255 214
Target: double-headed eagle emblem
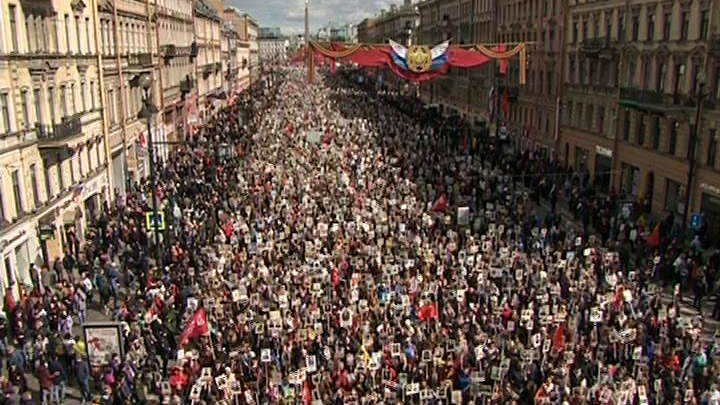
419 58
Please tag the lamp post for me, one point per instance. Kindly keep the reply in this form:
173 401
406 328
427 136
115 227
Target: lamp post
692 145
147 113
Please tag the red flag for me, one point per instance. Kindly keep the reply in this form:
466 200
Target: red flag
333 66
654 239
441 204
306 395
428 312
503 62
195 328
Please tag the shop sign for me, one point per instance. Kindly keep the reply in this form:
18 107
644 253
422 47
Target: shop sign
603 151
710 188
47 232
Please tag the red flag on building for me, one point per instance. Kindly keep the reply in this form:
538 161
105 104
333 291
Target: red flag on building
195 328
503 62
441 204
654 239
428 312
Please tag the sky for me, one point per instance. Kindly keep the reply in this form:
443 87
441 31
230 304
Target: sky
289 15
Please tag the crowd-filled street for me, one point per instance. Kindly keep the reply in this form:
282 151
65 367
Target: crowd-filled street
330 244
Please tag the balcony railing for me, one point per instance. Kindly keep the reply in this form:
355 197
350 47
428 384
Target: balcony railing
140 60
642 95
170 51
67 128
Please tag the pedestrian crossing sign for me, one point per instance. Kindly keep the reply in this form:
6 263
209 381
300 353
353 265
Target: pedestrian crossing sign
153 223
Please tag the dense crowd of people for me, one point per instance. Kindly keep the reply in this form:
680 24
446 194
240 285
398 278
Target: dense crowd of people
331 244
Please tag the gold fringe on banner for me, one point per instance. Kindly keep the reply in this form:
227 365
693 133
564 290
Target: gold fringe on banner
520 49
335 54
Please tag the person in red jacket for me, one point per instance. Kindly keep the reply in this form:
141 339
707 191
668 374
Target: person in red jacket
45 379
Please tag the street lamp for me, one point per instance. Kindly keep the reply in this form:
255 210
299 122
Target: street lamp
692 145
147 113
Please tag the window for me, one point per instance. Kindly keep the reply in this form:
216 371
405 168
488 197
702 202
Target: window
51 104
48 188
589 116
82 96
38 110
651 28
601 119
12 14
635 27
9 273
80 165
52 28
92 95
704 24
667 26
641 131
712 148
25 108
34 184
77 34
63 100
72 98
575 32
632 68
621 28
58 161
5 111
87 34
67 33
662 72
71 160
111 106
626 126
584 30
672 144
657 133
685 27
673 195
679 77
17 192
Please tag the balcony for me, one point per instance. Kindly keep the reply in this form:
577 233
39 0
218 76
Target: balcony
169 52
651 100
140 60
57 135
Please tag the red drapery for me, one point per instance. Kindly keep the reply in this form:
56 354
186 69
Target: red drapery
381 56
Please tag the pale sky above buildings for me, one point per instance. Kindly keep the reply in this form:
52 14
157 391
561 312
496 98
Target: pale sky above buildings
289 15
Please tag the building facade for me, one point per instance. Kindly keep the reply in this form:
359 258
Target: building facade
176 52
531 111
208 64
635 72
466 93
129 49
52 177
69 102
273 49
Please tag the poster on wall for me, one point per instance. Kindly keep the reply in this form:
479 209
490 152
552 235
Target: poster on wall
103 340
